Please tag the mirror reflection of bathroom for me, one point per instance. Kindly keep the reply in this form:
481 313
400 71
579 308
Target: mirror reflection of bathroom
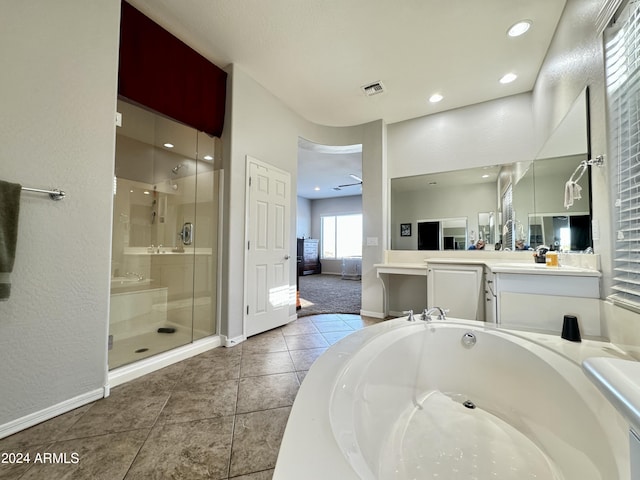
524 195
165 236
486 227
442 234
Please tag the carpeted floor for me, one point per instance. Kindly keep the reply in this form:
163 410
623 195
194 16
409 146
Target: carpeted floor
329 294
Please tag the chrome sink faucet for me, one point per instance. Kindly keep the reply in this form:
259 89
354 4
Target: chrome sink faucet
426 314
410 317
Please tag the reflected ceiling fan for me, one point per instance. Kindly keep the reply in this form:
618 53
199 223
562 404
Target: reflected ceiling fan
355 177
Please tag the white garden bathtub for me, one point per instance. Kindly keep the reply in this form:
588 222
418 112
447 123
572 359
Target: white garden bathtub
387 402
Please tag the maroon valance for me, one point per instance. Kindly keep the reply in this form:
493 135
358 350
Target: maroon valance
163 73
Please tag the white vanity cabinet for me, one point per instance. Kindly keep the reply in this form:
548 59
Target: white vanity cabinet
538 298
458 288
491 287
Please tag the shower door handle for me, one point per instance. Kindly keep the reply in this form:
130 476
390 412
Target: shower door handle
186 234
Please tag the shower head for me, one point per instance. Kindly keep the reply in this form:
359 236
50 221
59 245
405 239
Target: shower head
176 168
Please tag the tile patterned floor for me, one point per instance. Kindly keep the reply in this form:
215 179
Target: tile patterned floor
220 415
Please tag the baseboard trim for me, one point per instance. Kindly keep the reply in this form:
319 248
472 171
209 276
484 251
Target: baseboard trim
232 342
368 313
121 375
48 413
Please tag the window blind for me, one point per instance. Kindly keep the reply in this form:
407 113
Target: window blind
622 58
508 219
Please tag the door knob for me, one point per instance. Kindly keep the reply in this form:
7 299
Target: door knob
287 257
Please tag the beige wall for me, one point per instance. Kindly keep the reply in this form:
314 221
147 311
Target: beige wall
58 97
494 133
303 218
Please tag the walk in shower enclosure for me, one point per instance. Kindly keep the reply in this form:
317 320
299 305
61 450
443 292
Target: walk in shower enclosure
165 236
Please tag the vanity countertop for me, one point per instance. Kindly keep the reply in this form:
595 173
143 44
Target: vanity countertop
619 381
541 269
530 268
402 268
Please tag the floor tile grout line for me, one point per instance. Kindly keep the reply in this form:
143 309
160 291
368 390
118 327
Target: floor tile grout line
84 437
270 374
233 437
133 460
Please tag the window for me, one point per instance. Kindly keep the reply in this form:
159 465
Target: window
341 236
623 95
508 217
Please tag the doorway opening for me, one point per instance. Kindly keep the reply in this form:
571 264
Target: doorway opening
329 228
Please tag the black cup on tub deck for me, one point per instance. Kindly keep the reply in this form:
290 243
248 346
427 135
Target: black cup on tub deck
570 329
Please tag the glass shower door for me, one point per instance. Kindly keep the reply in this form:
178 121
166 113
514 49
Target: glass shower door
206 213
156 258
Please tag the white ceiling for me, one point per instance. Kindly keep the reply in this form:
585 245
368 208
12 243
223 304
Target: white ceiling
322 169
316 55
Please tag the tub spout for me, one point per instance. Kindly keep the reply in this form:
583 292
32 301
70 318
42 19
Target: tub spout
426 314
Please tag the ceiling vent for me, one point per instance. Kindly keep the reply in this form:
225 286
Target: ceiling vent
373 89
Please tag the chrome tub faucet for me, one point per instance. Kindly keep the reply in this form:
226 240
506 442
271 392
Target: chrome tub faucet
426 314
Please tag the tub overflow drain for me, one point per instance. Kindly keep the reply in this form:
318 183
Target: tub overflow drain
468 339
469 404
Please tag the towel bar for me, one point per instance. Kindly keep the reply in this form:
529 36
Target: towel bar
54 193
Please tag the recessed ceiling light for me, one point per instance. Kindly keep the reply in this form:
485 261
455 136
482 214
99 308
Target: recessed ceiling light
435 98
168 145
208 157
519 28
147 192
508 78
486 175
317 189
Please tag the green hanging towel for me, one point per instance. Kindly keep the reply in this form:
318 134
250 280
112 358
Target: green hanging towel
9 211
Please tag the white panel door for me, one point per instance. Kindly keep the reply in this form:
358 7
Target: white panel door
267 293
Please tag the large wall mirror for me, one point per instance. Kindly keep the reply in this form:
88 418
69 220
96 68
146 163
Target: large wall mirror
506 206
